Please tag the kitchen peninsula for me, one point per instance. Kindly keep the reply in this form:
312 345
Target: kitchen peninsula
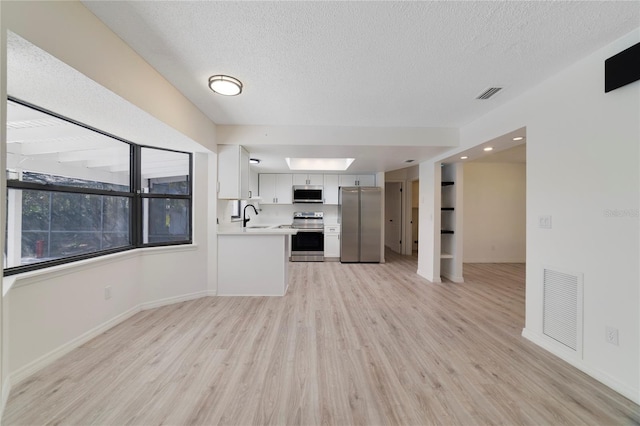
253 261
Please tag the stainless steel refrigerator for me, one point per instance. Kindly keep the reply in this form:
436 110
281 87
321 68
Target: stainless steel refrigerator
360 214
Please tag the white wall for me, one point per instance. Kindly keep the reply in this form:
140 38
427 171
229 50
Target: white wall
583 170
50 311
494 212
71 33
429 231
4 393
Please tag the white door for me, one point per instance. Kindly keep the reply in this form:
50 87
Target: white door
393 216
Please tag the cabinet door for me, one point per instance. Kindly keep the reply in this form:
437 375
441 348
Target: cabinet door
267 183
300 179
284 189
331 245
244 174
254 188
307 179
233 172
331 184
348 180
366 180
315 179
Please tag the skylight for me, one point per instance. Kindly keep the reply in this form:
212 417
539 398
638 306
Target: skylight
319 163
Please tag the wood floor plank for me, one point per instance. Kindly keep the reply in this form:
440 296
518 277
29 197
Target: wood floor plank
350 344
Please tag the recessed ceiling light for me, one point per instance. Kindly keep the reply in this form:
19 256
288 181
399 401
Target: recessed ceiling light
225 85
489 148
319 163
464 157
254 160
518 138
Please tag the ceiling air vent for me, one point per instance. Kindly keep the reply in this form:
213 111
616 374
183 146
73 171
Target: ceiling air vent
489 92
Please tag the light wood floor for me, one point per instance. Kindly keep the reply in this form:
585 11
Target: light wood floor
352 344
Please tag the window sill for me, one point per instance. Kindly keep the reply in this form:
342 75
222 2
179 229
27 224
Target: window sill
32 277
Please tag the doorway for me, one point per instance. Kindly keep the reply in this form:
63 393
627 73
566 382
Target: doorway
415 215
393 216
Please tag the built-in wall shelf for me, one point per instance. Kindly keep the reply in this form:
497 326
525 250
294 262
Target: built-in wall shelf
451 222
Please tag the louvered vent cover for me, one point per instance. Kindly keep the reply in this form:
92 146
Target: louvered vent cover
562 308
489 92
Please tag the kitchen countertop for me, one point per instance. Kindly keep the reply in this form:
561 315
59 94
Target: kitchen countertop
256 230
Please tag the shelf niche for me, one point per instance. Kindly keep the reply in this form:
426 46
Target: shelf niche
451 222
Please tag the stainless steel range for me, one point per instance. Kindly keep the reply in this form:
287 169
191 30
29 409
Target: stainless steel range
308 244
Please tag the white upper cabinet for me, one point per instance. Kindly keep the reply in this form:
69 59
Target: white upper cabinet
276 188
307 179
253 184
233 172
330 191
357 180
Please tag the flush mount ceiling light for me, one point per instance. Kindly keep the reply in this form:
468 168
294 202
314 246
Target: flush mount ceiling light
488 148
254 160
464 157
225 85
518 138
319 163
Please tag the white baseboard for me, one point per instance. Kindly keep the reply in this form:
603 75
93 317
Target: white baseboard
26 371
601 376
453 278
424 275
36 365
175 299
6 388
494 260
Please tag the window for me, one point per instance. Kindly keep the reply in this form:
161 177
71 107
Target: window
235 209
74 192
166 197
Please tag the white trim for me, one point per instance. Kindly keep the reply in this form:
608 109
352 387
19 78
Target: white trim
36 365
171 300
250 295
453 278
424 275
6 389
570 357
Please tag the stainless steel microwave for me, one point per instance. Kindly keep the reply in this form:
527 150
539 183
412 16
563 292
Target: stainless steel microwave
308 194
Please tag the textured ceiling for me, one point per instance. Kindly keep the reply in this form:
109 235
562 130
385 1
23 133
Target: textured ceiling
357 65
416 64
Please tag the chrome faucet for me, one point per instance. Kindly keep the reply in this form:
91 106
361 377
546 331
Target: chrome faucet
245 219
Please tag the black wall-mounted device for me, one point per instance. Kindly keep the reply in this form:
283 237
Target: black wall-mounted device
622 69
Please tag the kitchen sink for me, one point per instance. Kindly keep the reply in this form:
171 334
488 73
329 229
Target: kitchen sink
259 227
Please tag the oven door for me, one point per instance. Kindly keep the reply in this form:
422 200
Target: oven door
307 246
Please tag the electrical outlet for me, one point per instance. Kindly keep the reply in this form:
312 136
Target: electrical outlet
544 221
611 335
107 292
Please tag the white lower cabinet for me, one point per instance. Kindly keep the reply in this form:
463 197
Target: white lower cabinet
332 241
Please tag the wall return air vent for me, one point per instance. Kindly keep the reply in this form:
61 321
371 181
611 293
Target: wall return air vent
489 92
562 308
